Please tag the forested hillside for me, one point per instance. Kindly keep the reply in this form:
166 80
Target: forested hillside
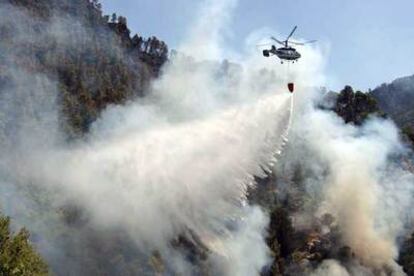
92 57
67 54
397 99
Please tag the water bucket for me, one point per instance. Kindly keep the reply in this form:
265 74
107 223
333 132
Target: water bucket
291 87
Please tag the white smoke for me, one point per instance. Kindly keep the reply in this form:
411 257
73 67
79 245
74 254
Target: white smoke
156 183
183 158
205 38
330 268
359 179
178 161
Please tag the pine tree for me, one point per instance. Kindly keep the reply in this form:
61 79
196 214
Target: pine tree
17 255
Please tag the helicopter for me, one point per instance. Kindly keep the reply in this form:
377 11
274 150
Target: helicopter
287 52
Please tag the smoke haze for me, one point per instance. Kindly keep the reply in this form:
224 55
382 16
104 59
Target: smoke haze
177 162
354 173
181 160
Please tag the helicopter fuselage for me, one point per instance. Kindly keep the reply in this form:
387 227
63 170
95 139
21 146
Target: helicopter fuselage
284 53
287 53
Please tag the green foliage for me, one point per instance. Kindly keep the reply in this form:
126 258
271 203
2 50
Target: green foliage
94 63
356 107
17 255
95 67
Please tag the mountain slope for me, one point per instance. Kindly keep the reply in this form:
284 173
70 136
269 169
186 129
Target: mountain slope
397 100
94 62
61 63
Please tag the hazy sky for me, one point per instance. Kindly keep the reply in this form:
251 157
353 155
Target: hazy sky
371 41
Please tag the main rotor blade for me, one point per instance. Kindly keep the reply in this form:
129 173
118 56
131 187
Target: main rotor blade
302 43
310 41
291 33
278 41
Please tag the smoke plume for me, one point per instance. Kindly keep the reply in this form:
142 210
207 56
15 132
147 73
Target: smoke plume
356 175
177 162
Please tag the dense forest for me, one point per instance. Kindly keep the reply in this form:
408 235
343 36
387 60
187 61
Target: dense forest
93 57
95 62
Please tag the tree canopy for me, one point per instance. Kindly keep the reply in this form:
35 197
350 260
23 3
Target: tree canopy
17 255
